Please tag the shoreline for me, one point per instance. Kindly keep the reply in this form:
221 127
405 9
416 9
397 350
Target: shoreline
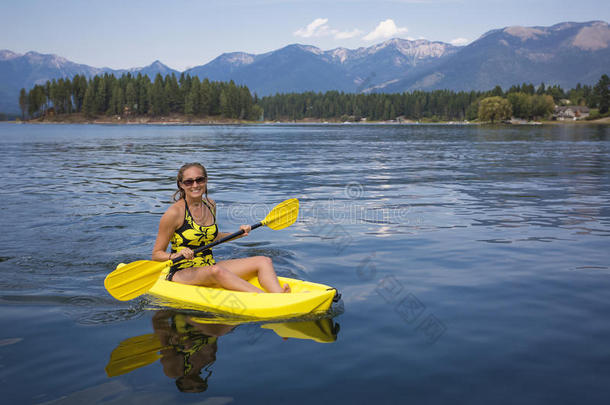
181 120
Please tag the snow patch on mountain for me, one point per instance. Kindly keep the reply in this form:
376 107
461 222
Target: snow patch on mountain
311 49
341 54
412 49
239 58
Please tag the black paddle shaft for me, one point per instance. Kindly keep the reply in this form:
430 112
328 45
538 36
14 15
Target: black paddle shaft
218 242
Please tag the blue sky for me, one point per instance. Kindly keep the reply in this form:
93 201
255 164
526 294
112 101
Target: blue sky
187 33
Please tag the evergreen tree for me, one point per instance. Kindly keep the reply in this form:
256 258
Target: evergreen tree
497 91
528 88
175 100
205 95
225 103
117 101
23 102
159 104
521 105
37 100
131 97
556 92
99 102
79 87
192 104
602 94
47 94
89 108
143 89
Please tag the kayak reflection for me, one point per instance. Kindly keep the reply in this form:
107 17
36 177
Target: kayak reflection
188 348
186 345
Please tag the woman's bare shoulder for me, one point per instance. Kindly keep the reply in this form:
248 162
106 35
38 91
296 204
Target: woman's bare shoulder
175 211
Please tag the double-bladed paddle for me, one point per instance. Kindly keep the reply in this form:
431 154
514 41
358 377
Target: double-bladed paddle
134 279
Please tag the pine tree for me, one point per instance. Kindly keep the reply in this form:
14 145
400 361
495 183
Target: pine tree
99 102
117 102
79 87
131 97
23 102
521 105
175 100
602 94
192 104
143 89
159 104
89 108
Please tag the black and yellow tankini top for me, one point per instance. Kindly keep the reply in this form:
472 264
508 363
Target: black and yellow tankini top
193 235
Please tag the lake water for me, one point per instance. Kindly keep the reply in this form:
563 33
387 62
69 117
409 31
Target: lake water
473 262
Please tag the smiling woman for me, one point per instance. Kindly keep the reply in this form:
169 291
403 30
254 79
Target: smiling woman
190 223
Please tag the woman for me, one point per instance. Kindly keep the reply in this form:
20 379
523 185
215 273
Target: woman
191 222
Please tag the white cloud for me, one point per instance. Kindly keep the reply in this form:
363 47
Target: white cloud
385 29
459 41
320 28
317 28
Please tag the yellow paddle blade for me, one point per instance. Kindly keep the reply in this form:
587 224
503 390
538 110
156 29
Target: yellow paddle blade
134 279
282 215
132 353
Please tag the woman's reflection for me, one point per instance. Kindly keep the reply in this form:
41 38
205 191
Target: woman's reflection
188 348
186 345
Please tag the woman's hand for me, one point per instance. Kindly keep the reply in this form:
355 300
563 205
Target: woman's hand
187 253
246 229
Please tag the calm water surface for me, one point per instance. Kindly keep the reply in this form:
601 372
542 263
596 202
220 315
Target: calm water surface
473 263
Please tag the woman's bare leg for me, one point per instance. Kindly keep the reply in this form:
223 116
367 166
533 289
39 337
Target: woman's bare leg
260 266
232 275
214 276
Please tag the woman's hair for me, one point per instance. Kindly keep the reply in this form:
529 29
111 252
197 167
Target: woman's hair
179 194
192 383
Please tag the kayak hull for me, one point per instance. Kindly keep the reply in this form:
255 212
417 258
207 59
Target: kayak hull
305 298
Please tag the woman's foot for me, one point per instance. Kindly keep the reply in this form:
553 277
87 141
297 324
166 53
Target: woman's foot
286 288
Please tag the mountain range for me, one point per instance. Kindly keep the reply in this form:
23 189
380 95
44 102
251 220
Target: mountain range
563 54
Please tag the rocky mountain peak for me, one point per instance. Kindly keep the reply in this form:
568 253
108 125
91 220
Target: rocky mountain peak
238 58
5 54
307 48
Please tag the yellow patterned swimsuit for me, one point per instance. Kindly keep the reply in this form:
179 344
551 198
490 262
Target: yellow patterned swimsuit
192 236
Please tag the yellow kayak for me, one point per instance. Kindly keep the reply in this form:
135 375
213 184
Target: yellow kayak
305 298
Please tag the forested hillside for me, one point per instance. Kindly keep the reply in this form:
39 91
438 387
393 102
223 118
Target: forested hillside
139 96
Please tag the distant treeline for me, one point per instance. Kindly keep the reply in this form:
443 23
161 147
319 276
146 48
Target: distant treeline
526 101
440 104
139 96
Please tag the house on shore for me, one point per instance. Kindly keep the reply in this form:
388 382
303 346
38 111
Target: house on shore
570 112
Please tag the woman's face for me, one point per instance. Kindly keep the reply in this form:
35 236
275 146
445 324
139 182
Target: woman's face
195 182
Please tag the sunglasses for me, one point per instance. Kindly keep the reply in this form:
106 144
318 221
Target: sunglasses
190 182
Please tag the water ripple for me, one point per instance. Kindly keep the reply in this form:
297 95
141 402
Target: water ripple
497 234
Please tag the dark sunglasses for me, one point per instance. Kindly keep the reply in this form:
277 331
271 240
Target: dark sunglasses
190 182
